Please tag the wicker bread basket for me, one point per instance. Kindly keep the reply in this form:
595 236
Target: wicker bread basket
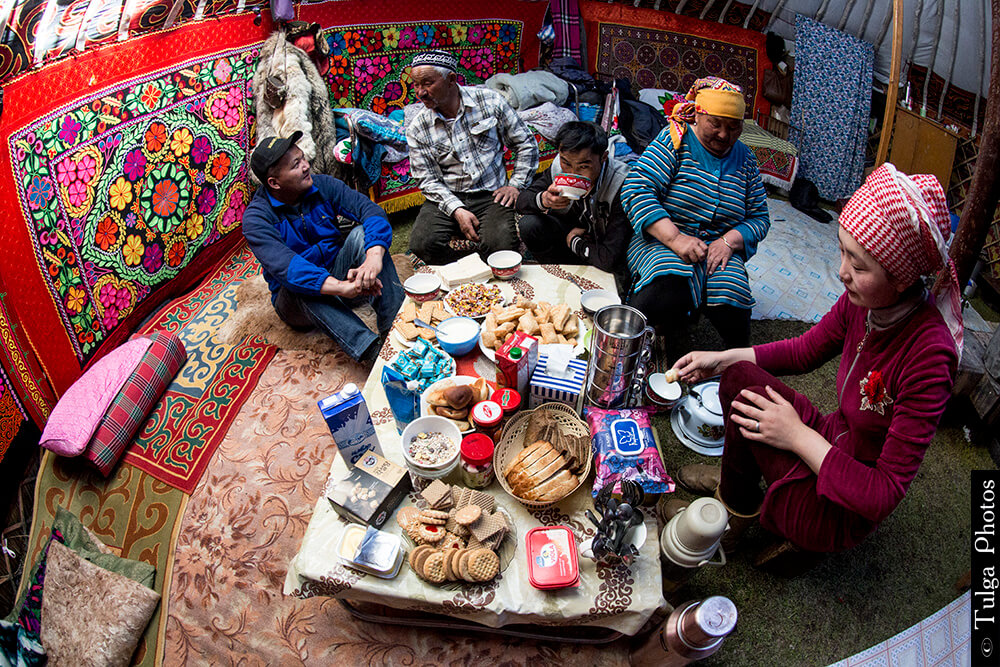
512 442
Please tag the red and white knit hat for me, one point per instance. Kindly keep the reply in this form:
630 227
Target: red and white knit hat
903 222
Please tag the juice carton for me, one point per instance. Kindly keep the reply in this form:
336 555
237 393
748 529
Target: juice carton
516 361
346 413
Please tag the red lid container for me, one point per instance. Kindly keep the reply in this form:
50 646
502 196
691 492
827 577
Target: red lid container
487 414
477 449
508 399
552 558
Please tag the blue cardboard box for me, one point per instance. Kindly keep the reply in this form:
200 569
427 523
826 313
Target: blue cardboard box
566 389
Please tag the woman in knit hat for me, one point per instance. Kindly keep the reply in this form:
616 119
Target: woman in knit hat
831 479
698 209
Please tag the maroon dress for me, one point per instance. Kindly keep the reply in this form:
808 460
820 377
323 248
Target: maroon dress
892 386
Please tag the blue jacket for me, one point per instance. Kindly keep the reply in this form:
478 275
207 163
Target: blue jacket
296 245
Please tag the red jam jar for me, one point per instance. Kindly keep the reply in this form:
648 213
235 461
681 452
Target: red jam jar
486 417
477 460
508 400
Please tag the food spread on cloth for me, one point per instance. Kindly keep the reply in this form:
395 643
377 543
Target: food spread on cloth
473 299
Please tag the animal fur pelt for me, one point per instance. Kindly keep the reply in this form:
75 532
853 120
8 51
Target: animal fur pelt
307 102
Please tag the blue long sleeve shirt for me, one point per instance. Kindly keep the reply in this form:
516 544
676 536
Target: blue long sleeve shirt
296 244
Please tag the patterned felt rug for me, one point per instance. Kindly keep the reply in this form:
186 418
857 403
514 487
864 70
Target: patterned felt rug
132 512
191 419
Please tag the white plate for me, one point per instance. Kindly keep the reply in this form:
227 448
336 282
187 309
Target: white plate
581 342
694 441
447 306
459 380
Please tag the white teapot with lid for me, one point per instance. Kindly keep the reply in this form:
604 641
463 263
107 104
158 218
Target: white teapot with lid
700 415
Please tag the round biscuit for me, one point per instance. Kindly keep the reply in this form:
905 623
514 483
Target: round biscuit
449 575
452 557
431 533
432 519
433 567
483 565
416 557
414 533
407 516
468 515
434 514
463 565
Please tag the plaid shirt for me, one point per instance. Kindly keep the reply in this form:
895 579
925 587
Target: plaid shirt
465 154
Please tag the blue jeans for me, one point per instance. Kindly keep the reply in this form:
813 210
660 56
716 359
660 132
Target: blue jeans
334 315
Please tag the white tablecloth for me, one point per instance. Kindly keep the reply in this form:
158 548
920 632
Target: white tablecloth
620 598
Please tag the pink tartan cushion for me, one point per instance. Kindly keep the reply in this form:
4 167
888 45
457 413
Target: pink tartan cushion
142 391
81 408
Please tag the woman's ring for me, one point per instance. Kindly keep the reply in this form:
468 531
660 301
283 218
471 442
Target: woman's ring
756 426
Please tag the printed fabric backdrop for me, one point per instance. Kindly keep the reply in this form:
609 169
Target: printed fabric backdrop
124 188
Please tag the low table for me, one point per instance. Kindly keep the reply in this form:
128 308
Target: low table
620 599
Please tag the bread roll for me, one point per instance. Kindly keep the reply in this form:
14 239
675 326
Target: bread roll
480 390
450 413
458 397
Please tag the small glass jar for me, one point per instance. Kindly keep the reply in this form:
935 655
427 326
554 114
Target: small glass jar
508 400
477 460
486 417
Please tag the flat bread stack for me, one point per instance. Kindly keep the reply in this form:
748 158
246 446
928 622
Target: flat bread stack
548 469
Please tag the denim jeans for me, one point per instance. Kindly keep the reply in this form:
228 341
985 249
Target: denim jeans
334 315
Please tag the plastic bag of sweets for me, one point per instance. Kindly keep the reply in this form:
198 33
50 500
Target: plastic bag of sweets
403 395
625 448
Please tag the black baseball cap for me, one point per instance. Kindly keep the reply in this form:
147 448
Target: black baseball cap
269 151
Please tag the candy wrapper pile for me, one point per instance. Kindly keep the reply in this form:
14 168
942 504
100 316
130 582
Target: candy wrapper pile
423 363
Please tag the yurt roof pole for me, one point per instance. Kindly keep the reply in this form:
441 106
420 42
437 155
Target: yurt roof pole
774 14
937 42
954 54
982 63
893 90
725 10
821 12
753 8
884 30
918 9
708 5
866 17
981 200
847 13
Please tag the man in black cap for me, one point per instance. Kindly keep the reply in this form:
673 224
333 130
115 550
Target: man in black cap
316 270
456 156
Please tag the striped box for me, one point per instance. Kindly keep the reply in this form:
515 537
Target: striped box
546 388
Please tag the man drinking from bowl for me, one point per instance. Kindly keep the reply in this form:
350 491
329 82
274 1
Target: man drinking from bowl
571 227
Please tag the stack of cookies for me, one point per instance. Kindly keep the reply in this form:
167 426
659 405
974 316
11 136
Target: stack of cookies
457 532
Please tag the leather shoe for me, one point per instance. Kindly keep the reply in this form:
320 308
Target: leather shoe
700 478
667 508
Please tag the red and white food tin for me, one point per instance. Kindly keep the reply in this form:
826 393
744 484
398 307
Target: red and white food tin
552 557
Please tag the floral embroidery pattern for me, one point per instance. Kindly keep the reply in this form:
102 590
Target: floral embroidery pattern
124 188
369 62
873 393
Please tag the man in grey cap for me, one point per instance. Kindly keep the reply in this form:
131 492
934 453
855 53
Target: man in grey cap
317 270
456 156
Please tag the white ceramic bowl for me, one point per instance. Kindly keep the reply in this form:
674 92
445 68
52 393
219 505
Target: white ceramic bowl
458 335
431 424
665 392
504 263
422 286
594 299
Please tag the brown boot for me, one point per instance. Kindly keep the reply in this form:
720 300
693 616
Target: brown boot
783 558
699 478
738 524
667 508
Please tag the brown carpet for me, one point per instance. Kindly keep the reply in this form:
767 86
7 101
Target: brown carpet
255 316
244 523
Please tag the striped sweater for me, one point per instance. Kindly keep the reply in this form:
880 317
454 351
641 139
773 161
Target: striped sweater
705 196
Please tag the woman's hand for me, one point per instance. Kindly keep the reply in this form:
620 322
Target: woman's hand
696 366
718 256
770 419
773 420
692 250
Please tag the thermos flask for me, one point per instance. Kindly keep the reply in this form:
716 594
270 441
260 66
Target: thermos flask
695 630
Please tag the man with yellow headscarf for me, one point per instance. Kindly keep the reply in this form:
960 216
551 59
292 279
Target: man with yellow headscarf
698 208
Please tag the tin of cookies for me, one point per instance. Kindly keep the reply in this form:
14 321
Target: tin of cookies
418 555
431 533
468 515
433 567
483 565
407 516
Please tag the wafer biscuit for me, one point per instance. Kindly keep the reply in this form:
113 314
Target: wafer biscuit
435 492
487 526
484 500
